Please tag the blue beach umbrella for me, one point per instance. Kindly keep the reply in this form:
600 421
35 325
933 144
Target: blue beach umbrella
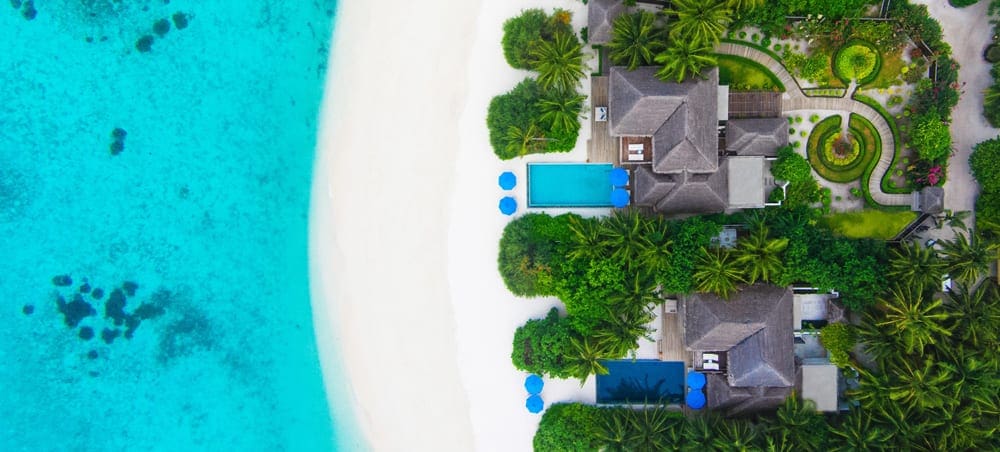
696 380
696 399
619 198
535 404
507 180
508 205
619 177
533 384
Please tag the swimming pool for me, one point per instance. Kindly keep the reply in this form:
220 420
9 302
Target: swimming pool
641 381
569 185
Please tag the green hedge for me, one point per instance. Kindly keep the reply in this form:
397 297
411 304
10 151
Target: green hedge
861 130
843 61
884 183
742 74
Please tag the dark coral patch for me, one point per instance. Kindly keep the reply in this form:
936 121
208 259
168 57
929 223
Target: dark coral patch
15 3
85 288
147 311
86 333
144 44
30 309
114 308
92 354
62 280
161 27
97 293
117 147
118 134
29 12
130 288
180 20
131 324
74 311
108 335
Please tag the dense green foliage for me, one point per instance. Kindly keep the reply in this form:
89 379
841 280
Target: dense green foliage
772 20
568 427
857 61
930 137
529 250
991 102
636 39
699 21
559 62
962 3
522 33
838 339
985 165
790 166
684 59
520 122
541 346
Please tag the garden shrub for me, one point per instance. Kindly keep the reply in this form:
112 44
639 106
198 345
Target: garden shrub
541 346
857 60
838 339
985 164
568 427
530 248
992 53
520 34
962 3
790 166
930 136
520 108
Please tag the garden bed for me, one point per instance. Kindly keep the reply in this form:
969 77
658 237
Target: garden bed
848 164
742 74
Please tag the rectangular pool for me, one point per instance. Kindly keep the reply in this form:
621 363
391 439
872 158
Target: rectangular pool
641 381
569 185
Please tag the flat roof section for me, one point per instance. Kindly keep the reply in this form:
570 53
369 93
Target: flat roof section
819 384
746 182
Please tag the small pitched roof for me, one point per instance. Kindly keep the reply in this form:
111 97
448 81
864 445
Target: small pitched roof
600 15
932 200
650 187
754 328
681 117
746 181
681 193
720 396
759 136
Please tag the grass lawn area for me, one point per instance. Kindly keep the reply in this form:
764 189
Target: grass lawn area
888 75
742 74
869 223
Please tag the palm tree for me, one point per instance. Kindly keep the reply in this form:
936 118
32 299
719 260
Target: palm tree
968 259
717 272
587 242
916 321
761 256
586 358
857 434
524 141
635 39
559 62
737 435
878 342
561 110
921 386
955 220
975 313
613 430
699 21
798 424
684 58
699 432
914 265
619 332
648 427
743 5
625 232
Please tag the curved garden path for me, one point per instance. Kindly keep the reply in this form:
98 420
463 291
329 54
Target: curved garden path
795 99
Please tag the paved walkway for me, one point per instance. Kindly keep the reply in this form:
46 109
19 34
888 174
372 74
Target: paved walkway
795 99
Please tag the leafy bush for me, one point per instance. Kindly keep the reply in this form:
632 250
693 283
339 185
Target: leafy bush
962 3
992 53
529 249
930 136
521 108
520 34
838 339
985 164
790 166
541 345
857 61
568 427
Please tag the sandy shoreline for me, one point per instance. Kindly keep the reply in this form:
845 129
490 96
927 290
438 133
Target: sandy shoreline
385 168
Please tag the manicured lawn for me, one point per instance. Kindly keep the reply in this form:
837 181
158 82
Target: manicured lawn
742 74
869 223
888 76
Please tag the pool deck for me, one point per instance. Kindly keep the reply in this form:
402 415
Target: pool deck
671 341
602 147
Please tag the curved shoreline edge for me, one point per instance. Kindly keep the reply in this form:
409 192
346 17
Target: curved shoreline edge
378 221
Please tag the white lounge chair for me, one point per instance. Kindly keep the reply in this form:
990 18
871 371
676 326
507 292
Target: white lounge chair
710 366
710 356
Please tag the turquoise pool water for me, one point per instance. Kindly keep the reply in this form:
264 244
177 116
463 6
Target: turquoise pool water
641 381
194 215
569 185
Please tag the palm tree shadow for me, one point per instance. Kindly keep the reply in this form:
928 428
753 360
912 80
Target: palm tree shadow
641 390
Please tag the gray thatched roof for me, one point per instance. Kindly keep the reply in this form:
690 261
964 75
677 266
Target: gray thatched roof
754 329
680 117
759 136
650 187
600 15
932 200
721 396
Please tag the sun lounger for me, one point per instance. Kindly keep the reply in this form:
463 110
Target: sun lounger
710 366
633 156
710 356
635 147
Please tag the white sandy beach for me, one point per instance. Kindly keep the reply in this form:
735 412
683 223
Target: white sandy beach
407 300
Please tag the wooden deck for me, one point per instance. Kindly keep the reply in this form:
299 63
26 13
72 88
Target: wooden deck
754 104
672 339
601 148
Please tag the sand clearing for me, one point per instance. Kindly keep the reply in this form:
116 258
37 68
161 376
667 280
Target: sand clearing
384 175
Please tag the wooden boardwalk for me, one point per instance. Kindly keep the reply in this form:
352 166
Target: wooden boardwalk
601 148
672 339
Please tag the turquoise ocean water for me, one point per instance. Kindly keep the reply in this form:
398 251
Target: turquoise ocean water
196 219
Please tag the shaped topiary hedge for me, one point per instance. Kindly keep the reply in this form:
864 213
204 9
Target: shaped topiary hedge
859 61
